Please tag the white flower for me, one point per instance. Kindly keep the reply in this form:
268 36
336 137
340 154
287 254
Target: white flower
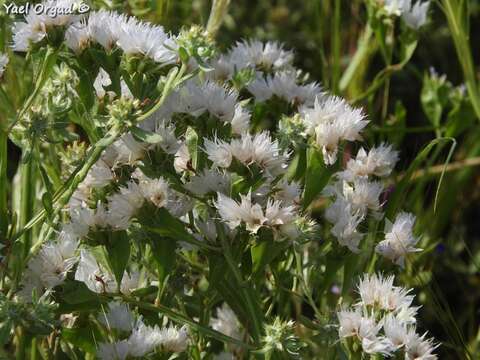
49 268
254 53
220 101
128 150
223 68
124 205
332 120
415 15
395 330
241 120
210 180
394 7
113 351
179 204
419 348
374 288
219 152
172 339
35 27
234 213
143 339
226 322
261 150
288 193
118 317
365 328
3 63
77 36
371 342
345 223
379 161
285 86
349 322
279 215
378 291
99 175
155 190
130 281
102 80
95 278
182 159
136 37
399 239
363 195
104 26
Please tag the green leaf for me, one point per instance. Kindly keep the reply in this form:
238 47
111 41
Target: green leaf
77 292
164 224
85 338
397 198
317 176
265 252
146 136
163 250
118 253
192 144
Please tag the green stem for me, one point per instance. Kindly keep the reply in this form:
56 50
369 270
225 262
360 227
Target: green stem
336 43
3 185
457 14
217 15
358 58
46 69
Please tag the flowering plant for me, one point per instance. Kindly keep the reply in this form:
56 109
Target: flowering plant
167 198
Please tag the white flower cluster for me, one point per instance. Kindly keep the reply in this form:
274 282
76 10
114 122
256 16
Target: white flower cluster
36 25
142 339
227 322
383 321
414 14
3 63
399 239
105 28
355 194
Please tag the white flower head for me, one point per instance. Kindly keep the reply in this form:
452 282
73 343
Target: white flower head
49 268
182 159
210 180
332 120
117 317
399 239
93 275
35 26
419 348
136 37
379 161
113 351
155 190
123 206
77 36
172 339
415 15
254 53
103 27
234 213
3 63
261 150
227 322
219 152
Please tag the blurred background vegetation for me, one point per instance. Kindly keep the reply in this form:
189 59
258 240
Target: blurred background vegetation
425 100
